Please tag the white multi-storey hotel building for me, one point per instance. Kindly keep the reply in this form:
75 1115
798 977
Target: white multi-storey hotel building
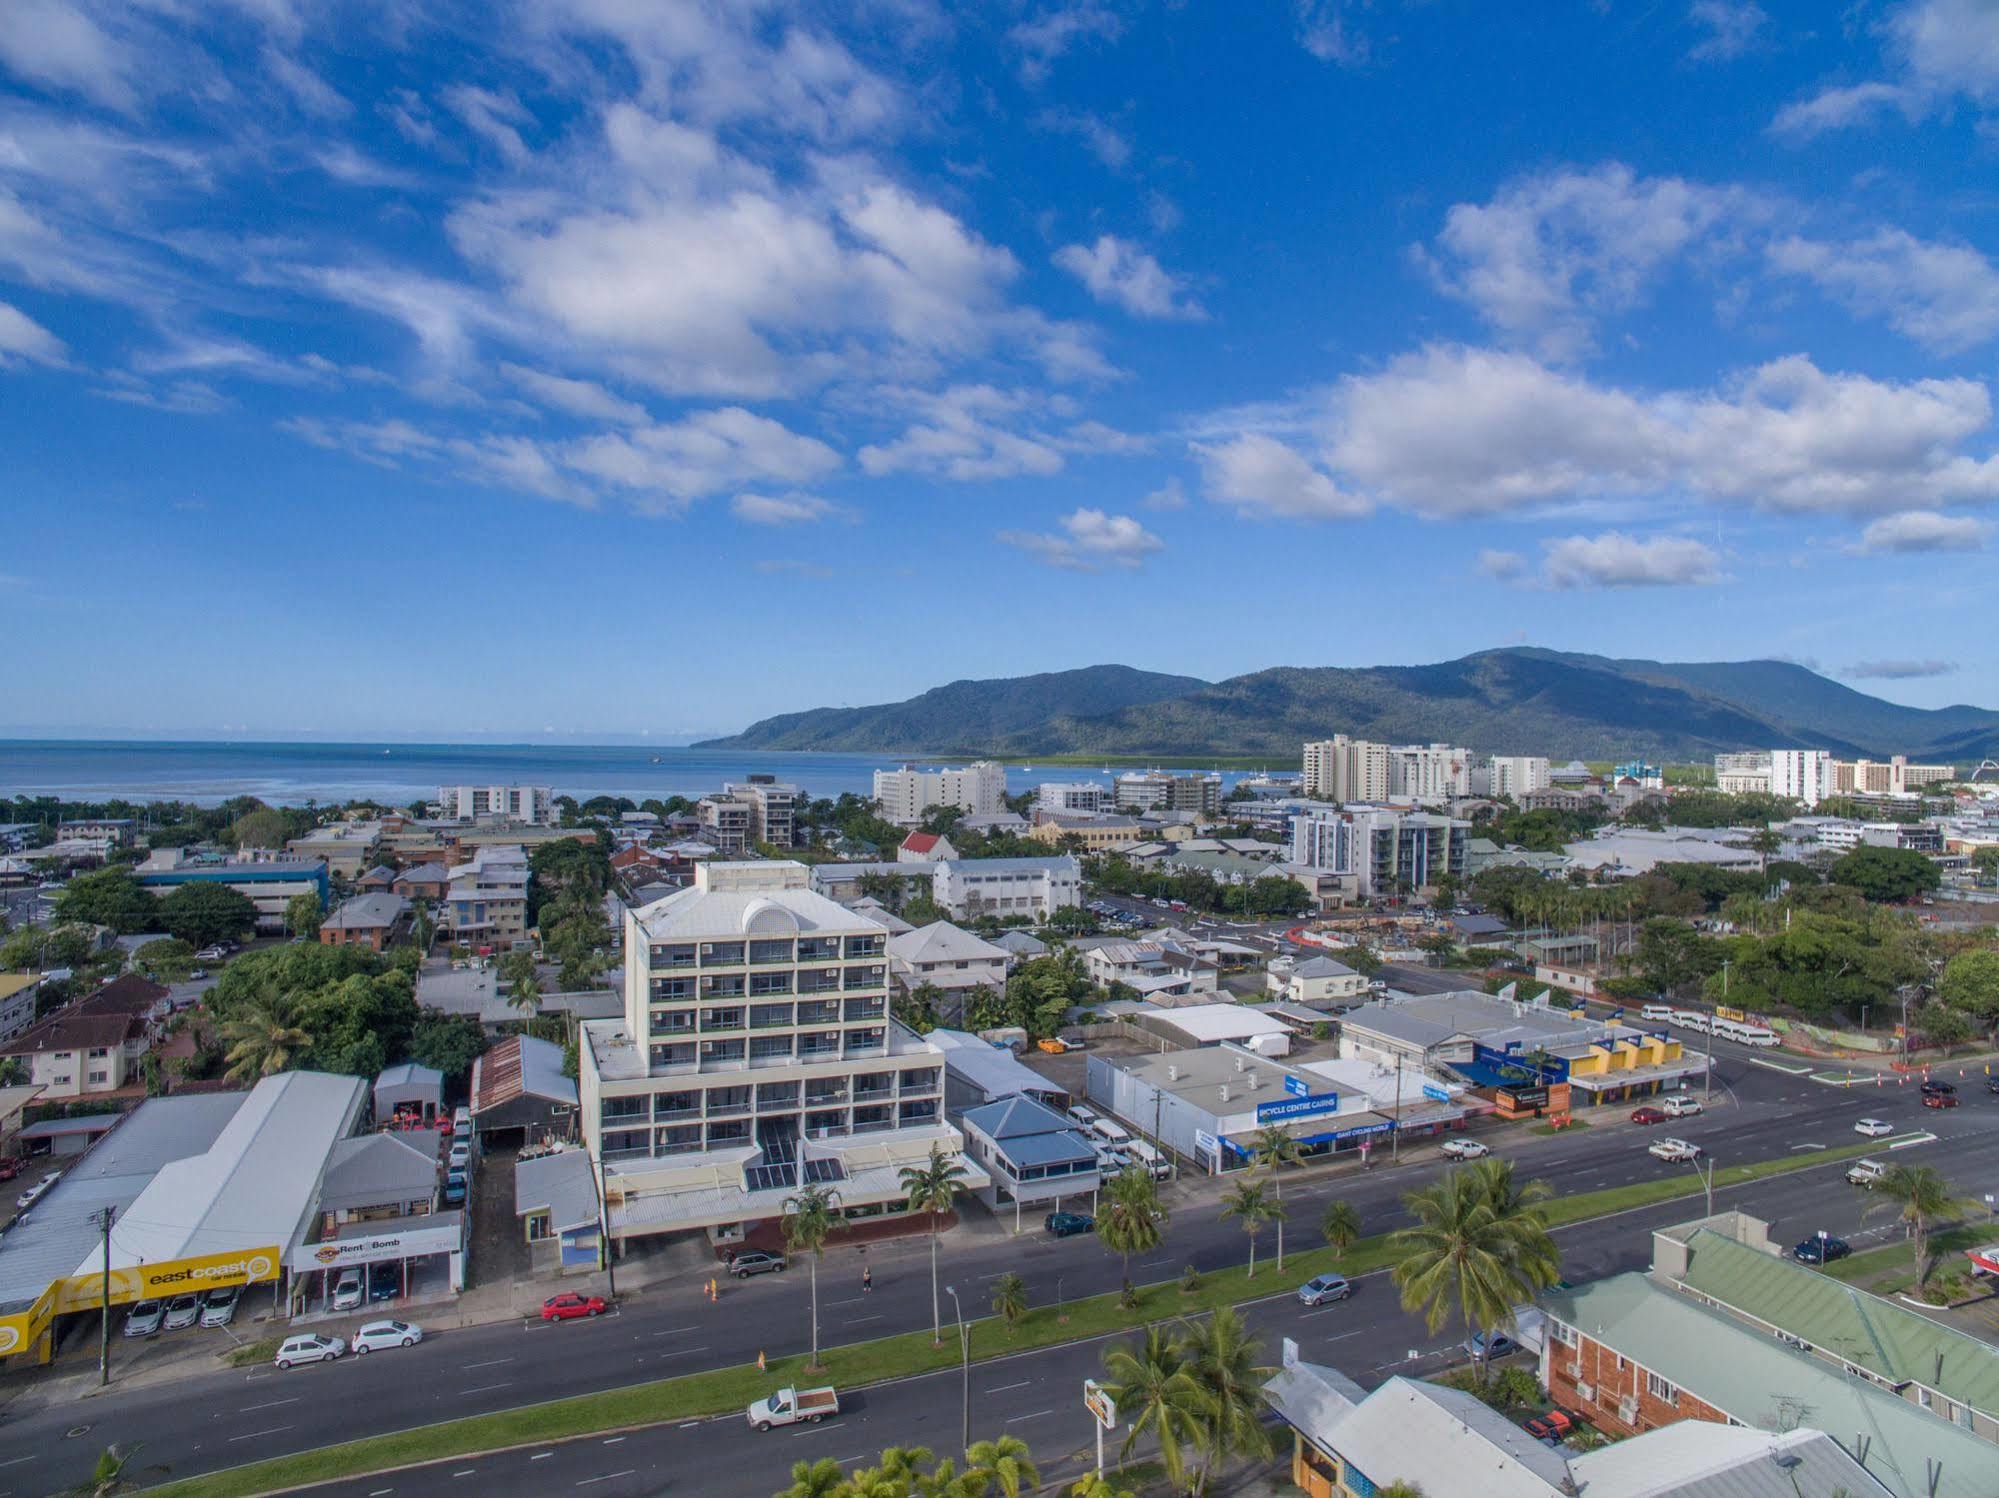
756 1054
907 793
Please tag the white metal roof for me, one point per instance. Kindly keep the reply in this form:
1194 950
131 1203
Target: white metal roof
1217 1022
940 941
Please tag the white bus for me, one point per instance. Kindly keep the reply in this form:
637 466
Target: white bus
1691 1019
1743 1033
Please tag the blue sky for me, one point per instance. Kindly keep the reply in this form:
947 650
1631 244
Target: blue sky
618 365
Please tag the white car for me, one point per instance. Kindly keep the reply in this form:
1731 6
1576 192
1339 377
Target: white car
350 1292
1464 1149
386 1334
1680 1106
144 1318
37 1191
1676 1150
182 1310
310 1348
220 1308
1873 1128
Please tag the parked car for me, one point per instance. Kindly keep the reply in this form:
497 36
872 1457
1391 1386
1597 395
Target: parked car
144 1318
1677 1151
1464 1149
1940 1099
1325 1289
1656 1011
1068 1224
1992 1084
182 1311
1873 1128
1082 1117
220 1308
378 1334
349 1291
569 1306
310 1348
1865 1172
461 1154
1683 1105
1648 1115
789 1406
1821 1249
1499 1346
385 1281
37 1191
742 1266
12 1166
1554 1427
454 1188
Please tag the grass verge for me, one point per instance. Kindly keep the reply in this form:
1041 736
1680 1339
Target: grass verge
1892 1266
260 1351
1568 1128
722 1390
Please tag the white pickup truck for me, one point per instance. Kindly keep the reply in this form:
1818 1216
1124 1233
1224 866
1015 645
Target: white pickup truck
789 1406
1865 1173
1677 1151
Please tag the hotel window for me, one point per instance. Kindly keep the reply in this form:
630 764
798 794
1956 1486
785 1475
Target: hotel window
1659 1389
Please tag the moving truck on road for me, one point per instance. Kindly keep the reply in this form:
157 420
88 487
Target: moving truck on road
789 1406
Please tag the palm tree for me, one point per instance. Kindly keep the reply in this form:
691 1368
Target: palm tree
107 1477
1919 1197
1157 1393
1341 1226
526 994
1010 1300
1522 1209
1250 1204
1222 1351
820 1479
1090 1485
263 1040
809 1219
1399 1489
1002 1463
1271 1148
1132 1221
933 1187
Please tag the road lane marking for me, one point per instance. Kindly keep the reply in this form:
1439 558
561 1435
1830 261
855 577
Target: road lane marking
1035 1416
672 1329
1001 1389
541 1456
606 1477
275 1430
468 1472
854 1300
681 1352
16 1461
613 1440
489 1363
249 1409
861 1320
380 1491
485 1388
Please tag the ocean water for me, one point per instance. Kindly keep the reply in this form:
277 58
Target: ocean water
291 774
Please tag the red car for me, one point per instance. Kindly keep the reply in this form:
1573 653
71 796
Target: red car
1556 1425
1648 1115
1939 1100
12 1166
571 1306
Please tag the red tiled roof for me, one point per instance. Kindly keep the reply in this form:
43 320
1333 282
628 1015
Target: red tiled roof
921 842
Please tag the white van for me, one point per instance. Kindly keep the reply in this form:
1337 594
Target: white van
461 1123
1103 1128
1656 1011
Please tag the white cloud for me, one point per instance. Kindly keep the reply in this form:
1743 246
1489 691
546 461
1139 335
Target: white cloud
1259 474
1935 50
1943 295
1899 670
494 117
1733 27
784 509
789 566
1118 271
343 163
583 398
21 336
58 45
1551 254
1504 566
1923 530
1104 140
1837 108
666 465
1171 495
1325 30
1616 560
1053 29
1092 541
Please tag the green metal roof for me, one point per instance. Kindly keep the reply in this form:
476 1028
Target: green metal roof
1754 1378
1885 1338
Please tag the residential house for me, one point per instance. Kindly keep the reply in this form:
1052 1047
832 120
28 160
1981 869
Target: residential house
1034 1156
946 957
423 881
1156 969
94 1044
1315 982
925 847
371 921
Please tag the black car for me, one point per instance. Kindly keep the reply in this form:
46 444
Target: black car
1992 1084
1821 1250
742 1266
1940 1089
385 1282
1068 1224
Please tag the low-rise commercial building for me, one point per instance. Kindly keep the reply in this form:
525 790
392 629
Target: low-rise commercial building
520 1094
555 1197
977 1072
1032 1155
268 883
346 848
1037 887
1627 852
1093 832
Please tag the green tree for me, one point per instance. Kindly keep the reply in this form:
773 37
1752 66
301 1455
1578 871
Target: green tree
449 1042
1919 1197
1399 1489
809 1219
1250 1204
168 960
524 993
1885 874
1091 1485
1273 1147
261 827
933 1187
1340 1226
110 897
821 1479
1970 982
1159 1395
1221 1352
1132 1220
1001 1464
303 915
1010 1300
263 1041
204 913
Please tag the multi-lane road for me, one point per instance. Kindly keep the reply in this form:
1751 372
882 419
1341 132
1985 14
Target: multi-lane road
215 1420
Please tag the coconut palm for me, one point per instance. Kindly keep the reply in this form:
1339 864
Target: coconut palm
1132 1221
1222 1353
1919 1197
1399 1490
1157 1394
263 1040
1250 1203
932 1187
1341 1226
1271 1148
1478 1245
1001 1464
1010 1300
820 1479
809 1219
1091 1485
526 993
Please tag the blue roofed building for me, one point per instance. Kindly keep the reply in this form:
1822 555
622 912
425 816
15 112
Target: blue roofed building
1035 1156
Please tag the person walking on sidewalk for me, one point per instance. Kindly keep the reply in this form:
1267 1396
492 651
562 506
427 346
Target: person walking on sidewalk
868 1279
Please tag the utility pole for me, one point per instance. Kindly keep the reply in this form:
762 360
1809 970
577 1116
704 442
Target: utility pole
604 1227
965 1355
1395 1133
104 1219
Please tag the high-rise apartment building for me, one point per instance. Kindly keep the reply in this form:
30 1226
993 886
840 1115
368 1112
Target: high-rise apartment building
530 805
1801 775
741 815
1076 795
1516 775
1429 772
1890 777
1743 774
907 793
756 1054
1156 790
1340 769
1381 850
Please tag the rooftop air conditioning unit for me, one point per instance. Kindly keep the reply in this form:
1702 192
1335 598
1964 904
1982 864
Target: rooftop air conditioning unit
1225 1092
1255 1081
1241 1063
1172 1071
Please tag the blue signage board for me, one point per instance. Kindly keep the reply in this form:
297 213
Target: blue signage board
1435 1093
1298 1107
1296 1087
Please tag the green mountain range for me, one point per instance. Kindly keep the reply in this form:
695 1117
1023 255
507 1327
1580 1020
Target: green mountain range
1513 701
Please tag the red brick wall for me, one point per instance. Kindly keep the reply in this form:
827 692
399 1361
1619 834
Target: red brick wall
1593 1363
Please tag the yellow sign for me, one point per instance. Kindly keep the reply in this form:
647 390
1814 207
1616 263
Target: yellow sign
170 1277
1739 1016
19 1331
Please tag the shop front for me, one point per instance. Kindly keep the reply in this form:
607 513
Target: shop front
418 1258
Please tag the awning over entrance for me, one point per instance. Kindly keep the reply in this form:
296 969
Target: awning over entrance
379 1242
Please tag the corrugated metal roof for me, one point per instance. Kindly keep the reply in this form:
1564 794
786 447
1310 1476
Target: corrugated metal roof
520 1067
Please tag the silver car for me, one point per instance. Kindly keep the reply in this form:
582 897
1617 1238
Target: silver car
182 1310
144 1318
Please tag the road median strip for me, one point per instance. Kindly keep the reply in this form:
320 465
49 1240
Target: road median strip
722 1391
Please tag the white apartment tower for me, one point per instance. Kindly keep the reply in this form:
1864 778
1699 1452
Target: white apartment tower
905 794
1340 769
1517 775
756 1054
530 805
1801 774
1429 772
1742 774
1075 795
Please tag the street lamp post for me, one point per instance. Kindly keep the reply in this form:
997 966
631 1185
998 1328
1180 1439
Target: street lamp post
965 1357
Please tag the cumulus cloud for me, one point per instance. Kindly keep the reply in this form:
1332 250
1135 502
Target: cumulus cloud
1934 50
1502 566
1923 530
1616 560
965 434
783 509
667 464
1118 271
1091 541
1943 295
1327 30
1733 27
1259 474
22 337
584 398
1838 108
1899 670
1171 495
1053 29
